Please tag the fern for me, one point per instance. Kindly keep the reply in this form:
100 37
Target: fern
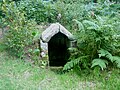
74 62
103 62
117 60
99 62
105 53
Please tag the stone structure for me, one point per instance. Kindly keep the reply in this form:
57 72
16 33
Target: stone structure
56 40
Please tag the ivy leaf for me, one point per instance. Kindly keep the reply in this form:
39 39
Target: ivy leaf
99 62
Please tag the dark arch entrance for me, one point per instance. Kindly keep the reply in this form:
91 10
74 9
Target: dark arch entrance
58 50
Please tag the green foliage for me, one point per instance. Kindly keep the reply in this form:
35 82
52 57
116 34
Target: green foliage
100 62
16 74
73 9
19 32
95 25
80 25
105 53
94 30
116 59
78 61
34 55
1 14
38 10
104 58
96 34
2 47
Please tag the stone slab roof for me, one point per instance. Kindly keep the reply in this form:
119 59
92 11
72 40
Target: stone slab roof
54 29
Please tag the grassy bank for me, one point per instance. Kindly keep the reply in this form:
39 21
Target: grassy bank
18 75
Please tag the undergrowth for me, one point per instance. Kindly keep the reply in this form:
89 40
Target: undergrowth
97 34
95 25
20 75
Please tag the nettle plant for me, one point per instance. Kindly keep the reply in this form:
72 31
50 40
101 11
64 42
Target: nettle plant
19 32
96 44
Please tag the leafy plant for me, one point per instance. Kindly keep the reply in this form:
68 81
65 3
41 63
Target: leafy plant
20 31
92 35
99 62
105 53
73 9
38 10
116 59
104 58
76 62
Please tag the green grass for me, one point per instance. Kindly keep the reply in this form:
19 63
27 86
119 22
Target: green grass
16 74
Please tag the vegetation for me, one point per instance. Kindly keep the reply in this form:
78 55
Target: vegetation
20 31
96 25
38 10
96 30
20 75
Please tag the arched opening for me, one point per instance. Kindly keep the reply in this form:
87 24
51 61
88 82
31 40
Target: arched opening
58 50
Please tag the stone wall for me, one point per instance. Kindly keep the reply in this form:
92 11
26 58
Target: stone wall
44 49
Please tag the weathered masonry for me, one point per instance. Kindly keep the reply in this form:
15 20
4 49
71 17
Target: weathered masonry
58 40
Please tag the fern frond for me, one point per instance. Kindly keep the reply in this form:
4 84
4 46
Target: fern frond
117 60
105 53
99 62
70 64
74 62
